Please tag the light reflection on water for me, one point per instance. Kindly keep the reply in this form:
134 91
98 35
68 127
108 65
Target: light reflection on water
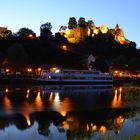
69 112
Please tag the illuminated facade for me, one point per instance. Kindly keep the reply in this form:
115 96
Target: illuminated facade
78 33
4 32
119 35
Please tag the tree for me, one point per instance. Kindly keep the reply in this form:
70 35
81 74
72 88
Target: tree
26 33
45 30
1 58
82 22
72 23
134 64
90 25
17 57
119 62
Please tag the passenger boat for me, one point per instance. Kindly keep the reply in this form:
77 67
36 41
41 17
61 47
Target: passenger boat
68 76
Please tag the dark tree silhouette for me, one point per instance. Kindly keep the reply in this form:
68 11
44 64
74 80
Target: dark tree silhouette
72 23
17 57
45 30
82 22
26 33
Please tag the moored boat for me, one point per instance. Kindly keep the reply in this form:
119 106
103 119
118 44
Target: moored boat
68 76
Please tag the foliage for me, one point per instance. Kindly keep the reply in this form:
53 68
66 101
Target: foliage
82 22
72 23
46 49
17 57
25 33
45 30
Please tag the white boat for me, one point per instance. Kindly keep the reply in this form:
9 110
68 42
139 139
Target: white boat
68 76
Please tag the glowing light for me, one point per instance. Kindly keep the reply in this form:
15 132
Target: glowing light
38 95
121 73
66 125
51 97
27 119
7 70
89 31
39 69
55 70
64 47
119 35
118 123
7 104
38 101
103 29
6 90
30 36
115 71
57 98
102 129
87 127
94 128
96 31
28 91
120 89
63 113
117 100
29 70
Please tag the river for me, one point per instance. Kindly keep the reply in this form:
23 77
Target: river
69 112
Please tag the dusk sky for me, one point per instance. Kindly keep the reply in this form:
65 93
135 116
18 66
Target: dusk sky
32 13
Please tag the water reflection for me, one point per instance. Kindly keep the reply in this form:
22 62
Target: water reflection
68 112
117 99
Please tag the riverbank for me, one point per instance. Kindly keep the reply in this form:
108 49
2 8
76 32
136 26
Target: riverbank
26 79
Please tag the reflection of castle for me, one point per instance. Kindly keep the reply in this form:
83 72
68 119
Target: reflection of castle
74 124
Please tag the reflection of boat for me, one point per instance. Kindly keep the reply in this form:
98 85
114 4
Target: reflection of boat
75 76
79 88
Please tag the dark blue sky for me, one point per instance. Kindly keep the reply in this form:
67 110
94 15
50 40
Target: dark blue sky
32 13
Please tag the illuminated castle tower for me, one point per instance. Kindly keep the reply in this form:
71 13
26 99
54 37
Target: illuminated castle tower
119 35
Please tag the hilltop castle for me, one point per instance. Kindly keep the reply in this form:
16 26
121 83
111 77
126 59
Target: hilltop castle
77 32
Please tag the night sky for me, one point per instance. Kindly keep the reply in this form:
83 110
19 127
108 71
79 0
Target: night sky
32 13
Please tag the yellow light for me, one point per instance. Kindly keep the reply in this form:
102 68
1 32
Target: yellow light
102 129
63 113
28 91
115 71
120 73
66 125
30 36
64 47
53 69
96 31
57 98
27 119
39 69
94 128
7 70
87 127
6 90
120 89
103 29
29 70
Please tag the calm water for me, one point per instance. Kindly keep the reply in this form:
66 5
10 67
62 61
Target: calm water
69 112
